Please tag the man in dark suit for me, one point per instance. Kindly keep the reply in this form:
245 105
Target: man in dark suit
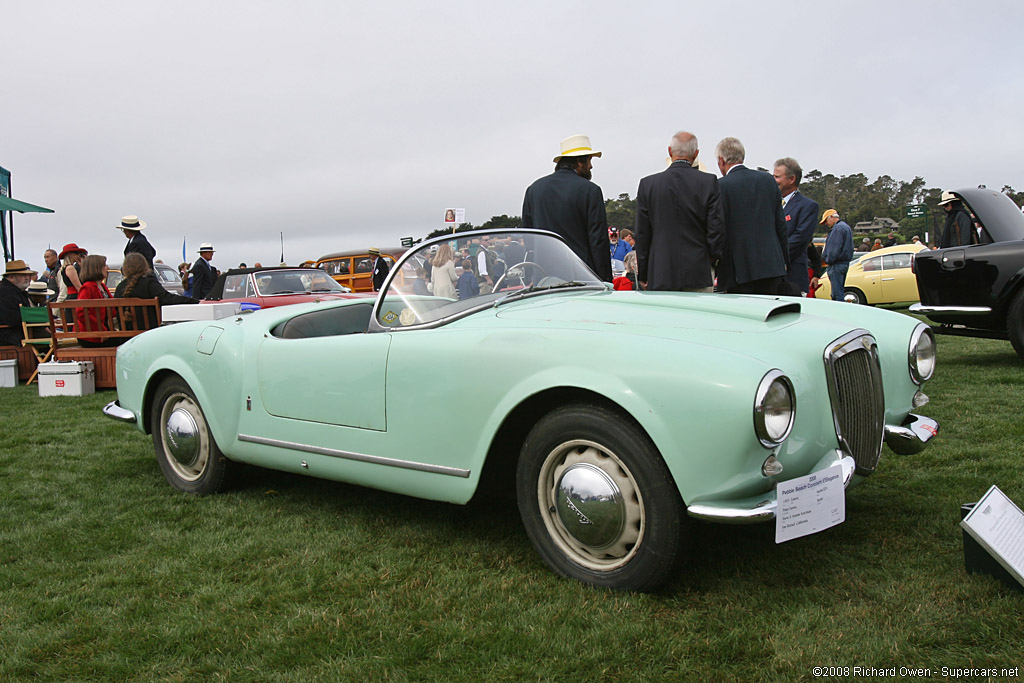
380 268
567 203
203 275
756 250
132 228
680 225
801 216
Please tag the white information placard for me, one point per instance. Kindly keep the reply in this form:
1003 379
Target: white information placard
810 504
997 524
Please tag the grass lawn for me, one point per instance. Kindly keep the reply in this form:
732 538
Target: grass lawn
106 572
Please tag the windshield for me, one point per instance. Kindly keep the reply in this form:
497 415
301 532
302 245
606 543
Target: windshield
448 277
295 281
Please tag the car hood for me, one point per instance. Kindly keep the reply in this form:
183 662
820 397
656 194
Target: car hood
1002 219
657 313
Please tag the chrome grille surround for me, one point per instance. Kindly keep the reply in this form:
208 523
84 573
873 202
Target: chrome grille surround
858 402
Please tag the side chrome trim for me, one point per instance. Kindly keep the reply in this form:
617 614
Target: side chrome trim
360 457
912 436
116 412
762 510
972 310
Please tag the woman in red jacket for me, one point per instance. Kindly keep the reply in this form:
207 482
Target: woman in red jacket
94 286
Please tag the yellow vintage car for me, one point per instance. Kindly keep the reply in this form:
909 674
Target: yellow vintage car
879 277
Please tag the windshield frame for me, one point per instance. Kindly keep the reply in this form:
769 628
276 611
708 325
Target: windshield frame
486 301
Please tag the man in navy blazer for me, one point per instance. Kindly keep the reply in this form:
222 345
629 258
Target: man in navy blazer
756 253
801 215
680 226
569 204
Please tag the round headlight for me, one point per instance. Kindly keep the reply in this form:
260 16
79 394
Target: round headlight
922 354
774 409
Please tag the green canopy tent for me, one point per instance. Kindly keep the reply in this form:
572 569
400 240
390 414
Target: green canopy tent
8 204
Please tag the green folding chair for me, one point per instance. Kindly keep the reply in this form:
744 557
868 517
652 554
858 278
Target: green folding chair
35 328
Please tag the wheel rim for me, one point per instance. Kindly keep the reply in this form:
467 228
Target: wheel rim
591 505
185 437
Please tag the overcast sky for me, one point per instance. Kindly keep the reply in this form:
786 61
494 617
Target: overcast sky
347 124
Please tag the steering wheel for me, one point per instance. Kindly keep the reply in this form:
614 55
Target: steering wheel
520 274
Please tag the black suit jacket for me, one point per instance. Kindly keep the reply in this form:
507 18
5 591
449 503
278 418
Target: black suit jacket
202 278
755 228
572 207
680 228
140 245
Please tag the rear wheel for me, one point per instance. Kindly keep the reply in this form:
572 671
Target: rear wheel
1015 323
188 456
854 296
598 502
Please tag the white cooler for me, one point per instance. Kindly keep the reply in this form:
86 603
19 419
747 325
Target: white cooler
69 378
9 373
176 313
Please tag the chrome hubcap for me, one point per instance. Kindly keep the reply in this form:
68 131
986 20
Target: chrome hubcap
185 437
591 505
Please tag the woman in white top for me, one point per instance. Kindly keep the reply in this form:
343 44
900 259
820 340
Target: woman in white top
443 275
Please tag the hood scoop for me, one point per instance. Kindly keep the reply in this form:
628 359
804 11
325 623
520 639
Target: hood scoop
782 309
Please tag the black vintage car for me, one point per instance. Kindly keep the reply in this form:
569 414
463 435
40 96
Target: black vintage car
978 290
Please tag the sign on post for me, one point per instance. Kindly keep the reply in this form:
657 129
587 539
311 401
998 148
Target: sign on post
916 210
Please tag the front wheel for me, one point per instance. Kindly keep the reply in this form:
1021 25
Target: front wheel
1015 323
598 502
188 456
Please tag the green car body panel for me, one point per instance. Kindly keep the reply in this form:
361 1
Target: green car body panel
439 396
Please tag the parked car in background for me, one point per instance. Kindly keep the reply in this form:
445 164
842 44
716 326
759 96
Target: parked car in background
166 275
354 268
275 286
511 391
878 277
978 290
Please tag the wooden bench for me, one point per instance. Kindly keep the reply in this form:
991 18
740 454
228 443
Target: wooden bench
135 316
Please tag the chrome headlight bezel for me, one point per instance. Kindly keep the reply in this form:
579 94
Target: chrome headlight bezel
920 362
773 381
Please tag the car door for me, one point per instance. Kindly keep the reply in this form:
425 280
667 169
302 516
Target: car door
871 282
897 282
333 380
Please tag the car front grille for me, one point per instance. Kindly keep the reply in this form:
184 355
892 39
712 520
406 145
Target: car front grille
858 402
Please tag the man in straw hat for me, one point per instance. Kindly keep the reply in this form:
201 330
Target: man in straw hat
203 275
569 204
680 223
17 277
132 228
380 268
959 228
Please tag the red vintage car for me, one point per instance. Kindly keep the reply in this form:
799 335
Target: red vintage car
280 286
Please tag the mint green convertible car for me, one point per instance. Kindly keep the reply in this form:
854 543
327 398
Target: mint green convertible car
525 386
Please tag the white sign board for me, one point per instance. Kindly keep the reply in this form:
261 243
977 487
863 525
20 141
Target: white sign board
455 216
810 504
998 526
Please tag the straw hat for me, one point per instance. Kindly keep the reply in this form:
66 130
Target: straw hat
70 249
19 267
38 288
947 197
576 146
131 223
205 246
373 251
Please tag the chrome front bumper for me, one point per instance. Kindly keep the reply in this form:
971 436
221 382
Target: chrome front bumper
906 439
116 412
967 310
912 436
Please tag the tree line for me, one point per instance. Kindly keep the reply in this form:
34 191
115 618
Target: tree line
853 196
